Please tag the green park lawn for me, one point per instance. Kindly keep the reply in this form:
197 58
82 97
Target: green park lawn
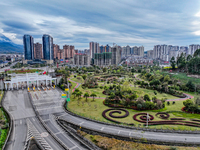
94 109
88 109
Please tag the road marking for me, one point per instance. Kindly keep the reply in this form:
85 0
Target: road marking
81 123
33 119
102 128
119 132
72 147
130 134
20 121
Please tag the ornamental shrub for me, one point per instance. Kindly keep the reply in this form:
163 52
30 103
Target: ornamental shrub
139 106
147 97
168 103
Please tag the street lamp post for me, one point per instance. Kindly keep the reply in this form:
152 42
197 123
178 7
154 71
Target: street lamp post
147 119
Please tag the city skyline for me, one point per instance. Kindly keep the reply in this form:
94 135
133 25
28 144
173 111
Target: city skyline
125 23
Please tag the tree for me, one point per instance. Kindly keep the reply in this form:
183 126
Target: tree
93 95
197 53
166 78
147 97
78 94
86 95
74 93
188 103
133 96
190 85
84 76
112 95
139 106
173 62
104 69
76 90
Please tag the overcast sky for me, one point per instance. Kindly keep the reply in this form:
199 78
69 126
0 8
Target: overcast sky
124 22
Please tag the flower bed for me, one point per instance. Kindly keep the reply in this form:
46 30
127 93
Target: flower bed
119 112
142 117
163 115
121 106
195 120
177 118
184 109
116 111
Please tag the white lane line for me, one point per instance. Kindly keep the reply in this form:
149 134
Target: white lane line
81 123
33 119
20 121
102 128
58 133
130 134
72 147
119 132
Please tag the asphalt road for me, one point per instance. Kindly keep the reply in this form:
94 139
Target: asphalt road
48 104
18 105
159 136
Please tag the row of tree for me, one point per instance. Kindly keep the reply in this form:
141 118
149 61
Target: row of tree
189 64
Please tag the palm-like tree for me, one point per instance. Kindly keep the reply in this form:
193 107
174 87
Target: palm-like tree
93 95
74 93
86 95
78 94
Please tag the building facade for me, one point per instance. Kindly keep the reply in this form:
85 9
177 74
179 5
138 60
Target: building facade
48 48
56 48
103 59
28 47
94 48
38 54
82 60
116 55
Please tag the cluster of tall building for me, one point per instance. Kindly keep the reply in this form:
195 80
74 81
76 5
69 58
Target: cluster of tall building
104 55
45 52
128 51
166 52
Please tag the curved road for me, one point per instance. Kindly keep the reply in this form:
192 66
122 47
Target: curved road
114 130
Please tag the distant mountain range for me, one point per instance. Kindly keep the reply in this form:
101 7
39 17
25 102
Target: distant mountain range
7 46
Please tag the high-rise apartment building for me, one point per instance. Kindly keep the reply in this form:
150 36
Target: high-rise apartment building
56 48
82 59
116 55
141 51
193 48
38 54
48 52
28 47
94 48
102 49
150 53
61 54
67 51
71 53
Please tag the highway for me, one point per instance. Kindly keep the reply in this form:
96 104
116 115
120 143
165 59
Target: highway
49 104
18 105
127 132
